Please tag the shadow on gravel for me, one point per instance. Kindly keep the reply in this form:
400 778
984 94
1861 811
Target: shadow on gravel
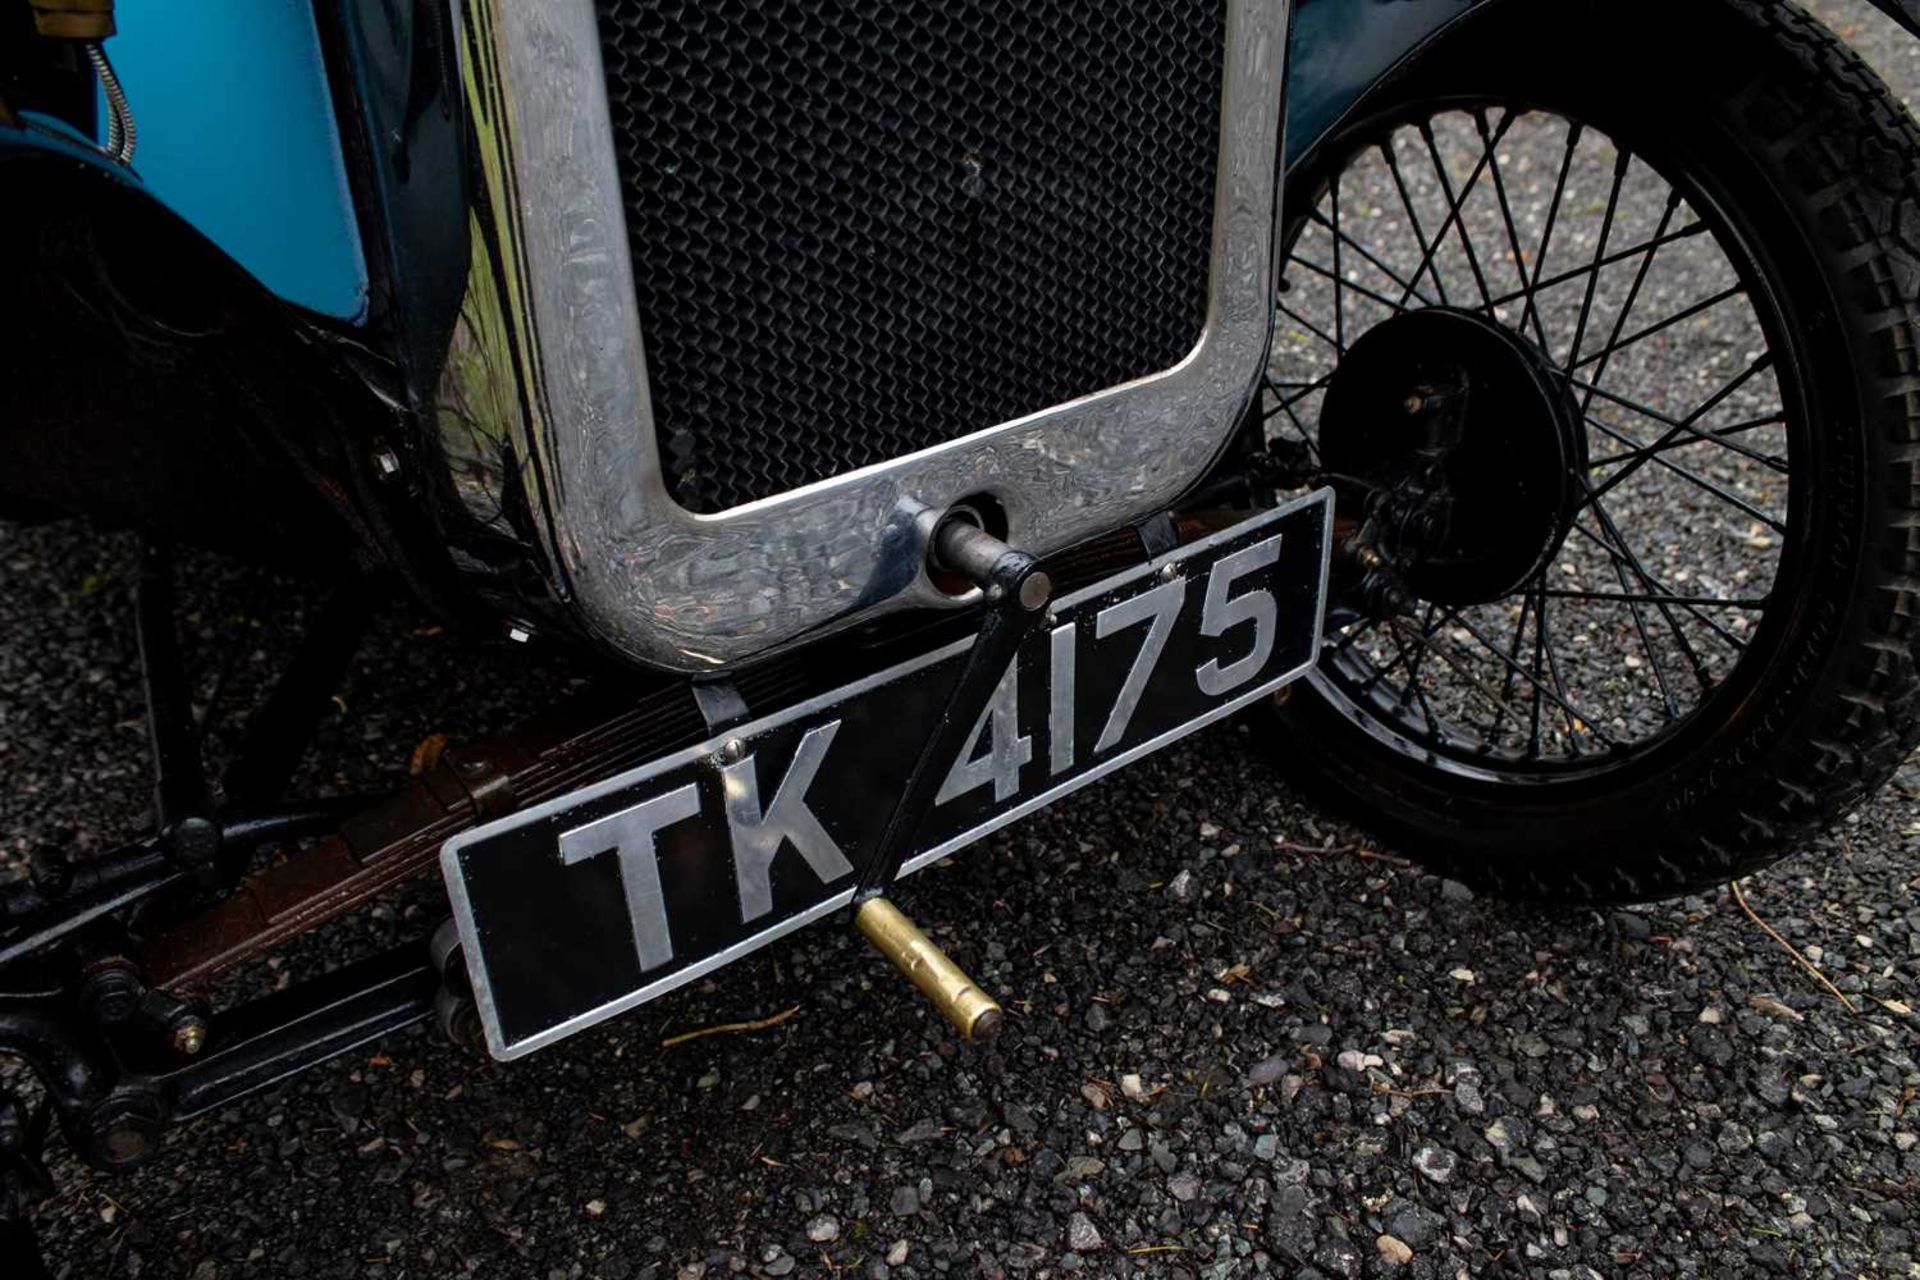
1241 1038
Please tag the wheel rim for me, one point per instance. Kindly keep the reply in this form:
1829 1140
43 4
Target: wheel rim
1628 279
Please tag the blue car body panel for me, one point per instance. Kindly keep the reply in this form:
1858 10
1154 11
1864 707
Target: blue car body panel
237 135
238 132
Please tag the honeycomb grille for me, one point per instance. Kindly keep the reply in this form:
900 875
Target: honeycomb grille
862 229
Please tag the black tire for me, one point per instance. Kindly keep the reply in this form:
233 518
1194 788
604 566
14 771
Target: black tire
1790 127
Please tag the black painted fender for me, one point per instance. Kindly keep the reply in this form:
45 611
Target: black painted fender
1341 49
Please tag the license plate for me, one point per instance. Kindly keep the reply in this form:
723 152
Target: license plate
583 907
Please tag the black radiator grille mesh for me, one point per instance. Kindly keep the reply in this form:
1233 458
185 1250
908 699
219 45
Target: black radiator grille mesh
863 228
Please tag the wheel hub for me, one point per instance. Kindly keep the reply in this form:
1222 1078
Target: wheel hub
1465 446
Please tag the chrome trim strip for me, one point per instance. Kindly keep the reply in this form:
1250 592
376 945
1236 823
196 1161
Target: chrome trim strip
560 405
463 908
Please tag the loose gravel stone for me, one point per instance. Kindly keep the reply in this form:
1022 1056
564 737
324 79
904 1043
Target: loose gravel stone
1268 1070
1435 1164
1082 1235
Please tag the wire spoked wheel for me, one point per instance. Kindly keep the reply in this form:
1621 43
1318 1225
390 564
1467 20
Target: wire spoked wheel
1611 383
1636 295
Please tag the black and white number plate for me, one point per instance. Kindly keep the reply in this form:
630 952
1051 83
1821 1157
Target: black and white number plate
577 909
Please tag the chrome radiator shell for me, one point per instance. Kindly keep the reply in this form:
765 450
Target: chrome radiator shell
545 423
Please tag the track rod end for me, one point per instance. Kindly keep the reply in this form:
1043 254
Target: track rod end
974 1013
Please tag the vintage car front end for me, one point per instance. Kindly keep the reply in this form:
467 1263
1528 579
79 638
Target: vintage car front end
902 415
759 295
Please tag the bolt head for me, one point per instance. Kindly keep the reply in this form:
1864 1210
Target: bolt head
1035 591
123 1130
112 991
1414 402
125 1145
1168 572
387 462
732 751
189 1036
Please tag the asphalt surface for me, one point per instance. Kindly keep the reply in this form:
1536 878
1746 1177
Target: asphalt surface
1243 1036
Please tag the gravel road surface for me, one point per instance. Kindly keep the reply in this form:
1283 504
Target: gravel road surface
1243 1037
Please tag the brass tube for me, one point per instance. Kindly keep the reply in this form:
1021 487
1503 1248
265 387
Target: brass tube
972 1011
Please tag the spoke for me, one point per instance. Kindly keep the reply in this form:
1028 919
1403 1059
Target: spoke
1368 254
1321 269
1594 493
1626 557
1577 722
1574 131
1645 597
1299 427
1429 641
1413 668
1339 281
1454 618
1531 310
1621 160
1513 654
1285 405
1457 665
1454 215
1667 702
1688 313
1419 235
1777 418
1355 630
1717 435
1411 690
1381 673
1633 603
1426 713
1725 495
1695 435
1633 295
1306 389
1310 327
1618 255
1539 643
